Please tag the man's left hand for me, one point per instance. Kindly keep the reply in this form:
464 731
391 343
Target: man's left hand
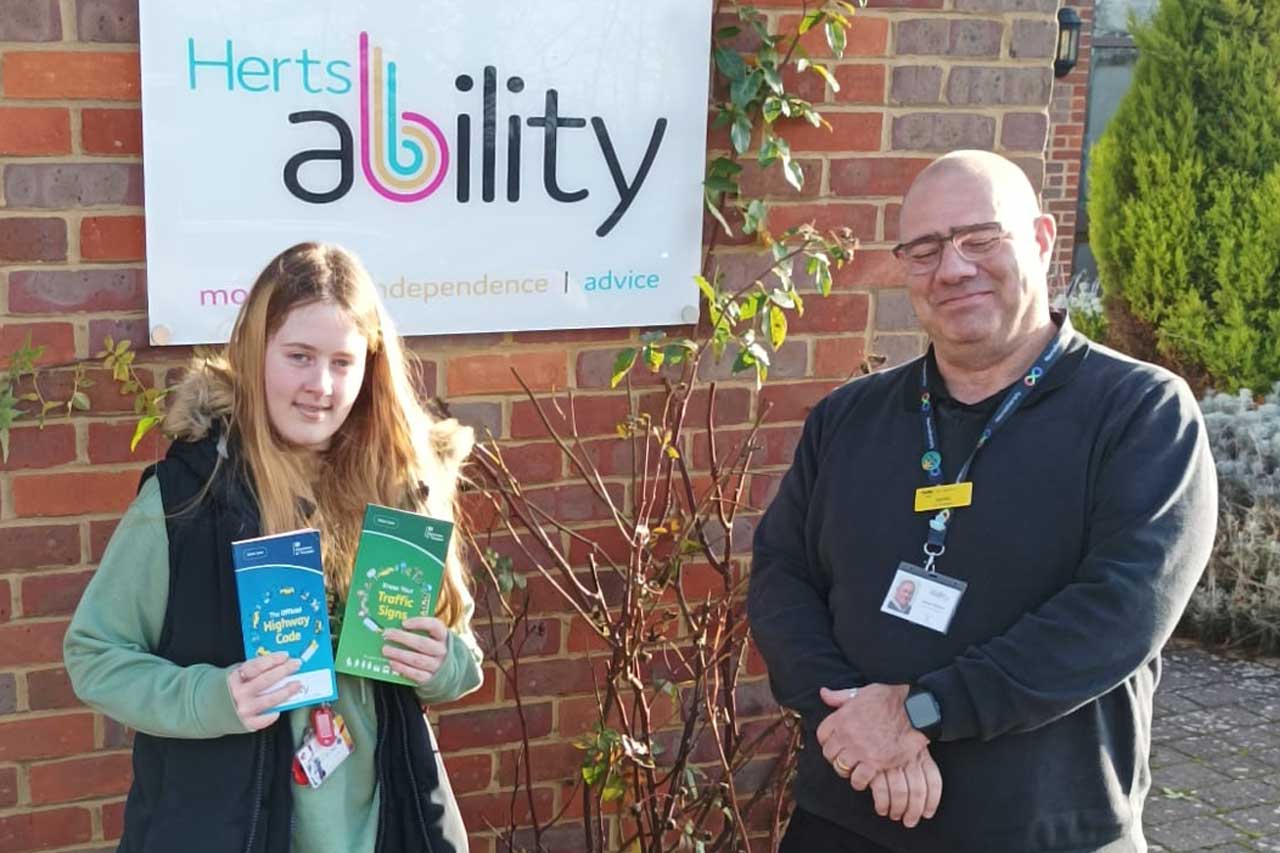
869 731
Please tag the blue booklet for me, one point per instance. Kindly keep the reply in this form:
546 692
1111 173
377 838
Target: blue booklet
280 582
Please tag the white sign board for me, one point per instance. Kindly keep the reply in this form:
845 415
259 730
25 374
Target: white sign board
497 166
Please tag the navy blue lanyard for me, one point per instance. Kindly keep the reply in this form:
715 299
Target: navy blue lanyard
931 461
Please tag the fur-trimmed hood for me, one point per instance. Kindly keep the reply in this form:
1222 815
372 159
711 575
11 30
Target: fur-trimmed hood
203 399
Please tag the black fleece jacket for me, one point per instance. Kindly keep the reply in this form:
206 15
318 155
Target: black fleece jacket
1093 515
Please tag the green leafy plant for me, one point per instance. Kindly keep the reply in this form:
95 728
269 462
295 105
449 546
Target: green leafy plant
1185 194
118 358
673 760
22 397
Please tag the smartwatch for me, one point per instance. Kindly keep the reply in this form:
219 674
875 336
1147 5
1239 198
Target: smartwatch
924 712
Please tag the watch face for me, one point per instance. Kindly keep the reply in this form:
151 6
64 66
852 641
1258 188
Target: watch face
922 710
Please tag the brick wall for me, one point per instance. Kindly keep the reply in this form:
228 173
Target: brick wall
921 77
1067 112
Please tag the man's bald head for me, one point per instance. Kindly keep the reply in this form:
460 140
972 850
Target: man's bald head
985 178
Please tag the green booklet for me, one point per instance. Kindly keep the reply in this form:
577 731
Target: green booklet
397 574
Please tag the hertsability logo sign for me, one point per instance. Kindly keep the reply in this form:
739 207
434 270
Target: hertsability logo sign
503 170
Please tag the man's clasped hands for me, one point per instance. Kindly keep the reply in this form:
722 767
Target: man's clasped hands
869 741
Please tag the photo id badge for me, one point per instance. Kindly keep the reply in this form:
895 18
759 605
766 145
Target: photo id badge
926 599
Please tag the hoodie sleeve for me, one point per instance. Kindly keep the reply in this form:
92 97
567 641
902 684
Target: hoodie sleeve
787 596
108 646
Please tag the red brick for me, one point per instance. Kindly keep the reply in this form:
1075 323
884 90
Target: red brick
861 84
577 502
31 20
593 415
113 238
475 729
109 442
28 642
838 312
58 340
583 638
486 694
501 809
113 820
81 779
31 547
792 401
771 182
44 830
8 787
35 131
107 20
875 176
49 689
6 601
53 594
46 737
556 677
577 716
33 239
490 374
547 762
891 214
571 336
826 217
849 132
73 493
839 358
733 405
774 446
36 447
534 463
469 773
99 535
78 75
111 131
870 268
65 291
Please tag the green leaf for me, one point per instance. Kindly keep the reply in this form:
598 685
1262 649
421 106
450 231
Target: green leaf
740 134
744 90
730 63
621 365
728 32
823 72
777 326
653 357
782 298
123 346
773 78
144 426
795 174
771 109
753 217
810 21
80 401
835 37
744 361
799 302
675 355
706 288
652 337
723 167
519 580
759 354
714 208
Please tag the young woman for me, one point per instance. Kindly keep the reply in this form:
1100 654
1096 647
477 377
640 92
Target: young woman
308 416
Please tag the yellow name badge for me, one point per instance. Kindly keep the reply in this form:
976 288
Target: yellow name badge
944 497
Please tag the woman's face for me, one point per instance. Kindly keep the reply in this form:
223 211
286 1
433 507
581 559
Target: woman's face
313 371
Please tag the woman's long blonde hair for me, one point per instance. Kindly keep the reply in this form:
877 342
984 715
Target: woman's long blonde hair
381 454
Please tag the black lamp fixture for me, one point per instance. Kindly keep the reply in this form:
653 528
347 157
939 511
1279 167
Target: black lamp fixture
1069 26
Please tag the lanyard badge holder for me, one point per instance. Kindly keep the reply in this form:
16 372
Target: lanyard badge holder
921 594
326 743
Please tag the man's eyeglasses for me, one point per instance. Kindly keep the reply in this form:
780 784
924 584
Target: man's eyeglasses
971 242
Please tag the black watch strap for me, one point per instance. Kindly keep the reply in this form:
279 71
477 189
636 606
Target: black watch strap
924 712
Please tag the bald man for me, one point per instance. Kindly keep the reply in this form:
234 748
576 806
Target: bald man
1050 501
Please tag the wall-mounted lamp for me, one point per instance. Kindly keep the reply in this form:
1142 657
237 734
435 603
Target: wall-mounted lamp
1069 26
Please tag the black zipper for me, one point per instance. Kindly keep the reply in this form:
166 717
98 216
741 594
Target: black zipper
260 747
413 778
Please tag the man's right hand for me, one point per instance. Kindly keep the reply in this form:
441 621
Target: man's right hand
249 683
910 792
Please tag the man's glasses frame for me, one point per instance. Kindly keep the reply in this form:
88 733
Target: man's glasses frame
971 242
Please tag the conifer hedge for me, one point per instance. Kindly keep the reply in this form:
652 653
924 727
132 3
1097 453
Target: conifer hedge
1184 201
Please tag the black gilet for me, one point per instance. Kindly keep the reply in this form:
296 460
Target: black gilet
233 793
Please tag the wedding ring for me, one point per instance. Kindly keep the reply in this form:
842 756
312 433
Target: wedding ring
842 769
